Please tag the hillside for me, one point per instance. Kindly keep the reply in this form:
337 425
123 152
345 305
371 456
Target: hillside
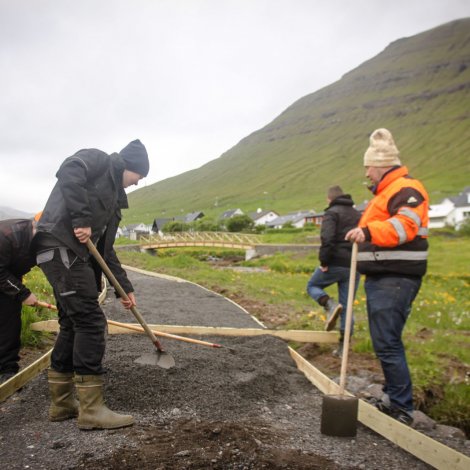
418 87
9 213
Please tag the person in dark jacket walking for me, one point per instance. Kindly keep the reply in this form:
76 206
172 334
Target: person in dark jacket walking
335 259
16 259
393 250
85 204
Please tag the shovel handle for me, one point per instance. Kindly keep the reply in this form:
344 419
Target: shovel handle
96 254
39 303
141 330
347 331
165 335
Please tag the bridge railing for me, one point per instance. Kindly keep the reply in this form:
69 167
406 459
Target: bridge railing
209 237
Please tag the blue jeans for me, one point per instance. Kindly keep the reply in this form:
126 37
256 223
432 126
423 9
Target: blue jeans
335 275
389 301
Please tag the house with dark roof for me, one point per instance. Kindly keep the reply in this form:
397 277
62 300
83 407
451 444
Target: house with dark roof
134 231
262 217
231 213
297 219
315 219
159 223
193 216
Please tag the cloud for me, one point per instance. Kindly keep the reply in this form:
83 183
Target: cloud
189 78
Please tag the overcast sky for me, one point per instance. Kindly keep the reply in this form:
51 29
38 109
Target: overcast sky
190 78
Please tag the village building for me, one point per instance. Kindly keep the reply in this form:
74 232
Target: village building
231 213
296 219
262 217
451 212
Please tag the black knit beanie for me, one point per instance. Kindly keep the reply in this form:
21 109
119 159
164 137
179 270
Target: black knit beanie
136 158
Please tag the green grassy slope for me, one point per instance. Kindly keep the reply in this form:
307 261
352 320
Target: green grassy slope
418 87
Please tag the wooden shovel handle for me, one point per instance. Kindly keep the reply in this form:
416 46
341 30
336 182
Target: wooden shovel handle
96 254
347 331
164 335
46 305
141 330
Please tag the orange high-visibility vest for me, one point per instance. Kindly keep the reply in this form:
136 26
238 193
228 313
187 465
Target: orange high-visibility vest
396 227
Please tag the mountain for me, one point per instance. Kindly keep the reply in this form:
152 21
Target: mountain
9 213
418 87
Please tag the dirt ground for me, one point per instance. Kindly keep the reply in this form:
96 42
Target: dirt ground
213 410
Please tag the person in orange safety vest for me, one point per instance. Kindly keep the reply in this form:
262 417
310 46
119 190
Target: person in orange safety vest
393 249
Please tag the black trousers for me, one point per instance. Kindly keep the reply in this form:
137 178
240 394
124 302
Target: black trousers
81 342
10 333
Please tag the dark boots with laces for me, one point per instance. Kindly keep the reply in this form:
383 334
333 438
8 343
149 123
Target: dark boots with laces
333 309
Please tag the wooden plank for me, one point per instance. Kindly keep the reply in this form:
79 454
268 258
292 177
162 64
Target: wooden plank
421 446
9 387
302 336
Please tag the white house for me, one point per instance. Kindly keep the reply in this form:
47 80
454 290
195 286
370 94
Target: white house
133 231
297 219
438 213
261 217
452 211
461 210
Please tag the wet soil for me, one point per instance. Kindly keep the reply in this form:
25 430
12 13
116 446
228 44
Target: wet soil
213 410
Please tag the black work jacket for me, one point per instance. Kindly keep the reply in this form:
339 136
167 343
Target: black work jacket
16 257
88 193
340 217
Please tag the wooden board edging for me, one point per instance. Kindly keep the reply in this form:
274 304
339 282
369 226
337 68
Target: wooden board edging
9 387
418 444
301 336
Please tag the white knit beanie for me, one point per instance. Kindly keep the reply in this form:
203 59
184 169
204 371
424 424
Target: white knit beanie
382 151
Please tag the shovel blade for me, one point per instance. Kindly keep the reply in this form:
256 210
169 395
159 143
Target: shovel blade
157 358
339 415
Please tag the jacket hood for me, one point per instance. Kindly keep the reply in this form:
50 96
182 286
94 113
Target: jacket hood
343 200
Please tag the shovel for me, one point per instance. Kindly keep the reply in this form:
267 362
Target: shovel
159 357
339 412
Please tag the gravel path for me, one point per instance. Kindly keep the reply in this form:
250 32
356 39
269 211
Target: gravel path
249 410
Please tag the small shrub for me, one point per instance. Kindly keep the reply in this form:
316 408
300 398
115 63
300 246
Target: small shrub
239 223
206 224
175 226
464 230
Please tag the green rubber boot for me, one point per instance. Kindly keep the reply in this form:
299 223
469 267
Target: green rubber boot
94 414
63 403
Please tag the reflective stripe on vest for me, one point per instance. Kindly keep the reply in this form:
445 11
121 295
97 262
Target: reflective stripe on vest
392 255
398 226
400 229
411 215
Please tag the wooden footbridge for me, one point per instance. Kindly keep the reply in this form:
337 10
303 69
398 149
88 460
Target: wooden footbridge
250 243
218 239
